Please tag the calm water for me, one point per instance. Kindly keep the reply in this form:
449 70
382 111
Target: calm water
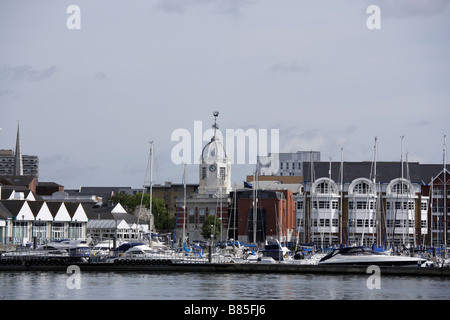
206 286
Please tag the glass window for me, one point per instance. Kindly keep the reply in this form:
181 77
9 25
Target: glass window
203 172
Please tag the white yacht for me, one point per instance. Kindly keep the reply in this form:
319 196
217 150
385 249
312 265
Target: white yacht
366 256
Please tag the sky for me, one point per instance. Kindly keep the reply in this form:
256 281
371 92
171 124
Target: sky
89 99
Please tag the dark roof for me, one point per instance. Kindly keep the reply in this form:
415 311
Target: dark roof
17 180
49 184
54 207
4 212
262 194
35 206
13 206
8 190
71 207
386 171
104 212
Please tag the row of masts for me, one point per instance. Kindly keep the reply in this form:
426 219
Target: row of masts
390 229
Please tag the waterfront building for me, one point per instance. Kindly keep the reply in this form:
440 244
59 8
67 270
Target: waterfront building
261 213
172 194
73 196
351 203
285 164
22 221
113 222
438 195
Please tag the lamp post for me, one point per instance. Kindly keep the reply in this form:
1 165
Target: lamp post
210 244
24 228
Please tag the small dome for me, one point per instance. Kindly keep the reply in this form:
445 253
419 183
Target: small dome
213 151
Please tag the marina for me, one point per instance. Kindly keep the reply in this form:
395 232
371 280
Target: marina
273 258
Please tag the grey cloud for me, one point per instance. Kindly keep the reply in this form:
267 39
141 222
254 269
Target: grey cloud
288 67
100 75
25 72
231 7
5 92
421 123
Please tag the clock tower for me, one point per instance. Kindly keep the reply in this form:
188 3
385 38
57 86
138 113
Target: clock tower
213 194
215 167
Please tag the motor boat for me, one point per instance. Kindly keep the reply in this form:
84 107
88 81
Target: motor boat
41 251
75 248
273 249
139 251
365 256
103 248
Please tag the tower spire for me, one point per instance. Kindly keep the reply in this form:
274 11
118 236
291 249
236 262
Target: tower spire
215 125
18 161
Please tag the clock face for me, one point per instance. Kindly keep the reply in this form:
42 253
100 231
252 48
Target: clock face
212 168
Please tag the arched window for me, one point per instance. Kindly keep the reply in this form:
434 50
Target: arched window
324 186
400 188
361 188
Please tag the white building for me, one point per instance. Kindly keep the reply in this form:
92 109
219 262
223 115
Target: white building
285 164
21 221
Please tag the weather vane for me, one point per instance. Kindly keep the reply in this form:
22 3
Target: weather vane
215 125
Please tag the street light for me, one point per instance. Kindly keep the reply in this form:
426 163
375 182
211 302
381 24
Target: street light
210 245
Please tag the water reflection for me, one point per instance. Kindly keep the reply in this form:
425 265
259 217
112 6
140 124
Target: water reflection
192 286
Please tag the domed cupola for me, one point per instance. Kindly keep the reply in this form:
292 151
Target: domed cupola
213 150
215 166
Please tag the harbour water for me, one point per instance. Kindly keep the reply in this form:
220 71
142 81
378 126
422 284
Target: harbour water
51 285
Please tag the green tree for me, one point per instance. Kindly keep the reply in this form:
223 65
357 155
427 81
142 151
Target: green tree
214 221
163 223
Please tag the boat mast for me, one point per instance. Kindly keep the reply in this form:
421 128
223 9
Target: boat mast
431 211
402 200
234 215
255 200
342 196
184 204
151 194
374 181
444 196
312 231
329 204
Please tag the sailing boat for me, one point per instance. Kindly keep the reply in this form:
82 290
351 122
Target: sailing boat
153 242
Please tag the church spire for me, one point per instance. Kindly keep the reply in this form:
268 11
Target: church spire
18 162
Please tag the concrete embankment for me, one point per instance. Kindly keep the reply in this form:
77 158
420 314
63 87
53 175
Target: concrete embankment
235 268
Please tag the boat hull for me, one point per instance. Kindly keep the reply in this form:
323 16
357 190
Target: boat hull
368 262
362 256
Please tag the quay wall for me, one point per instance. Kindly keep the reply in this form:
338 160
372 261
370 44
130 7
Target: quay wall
236 268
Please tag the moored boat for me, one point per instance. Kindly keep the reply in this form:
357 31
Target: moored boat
365 256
